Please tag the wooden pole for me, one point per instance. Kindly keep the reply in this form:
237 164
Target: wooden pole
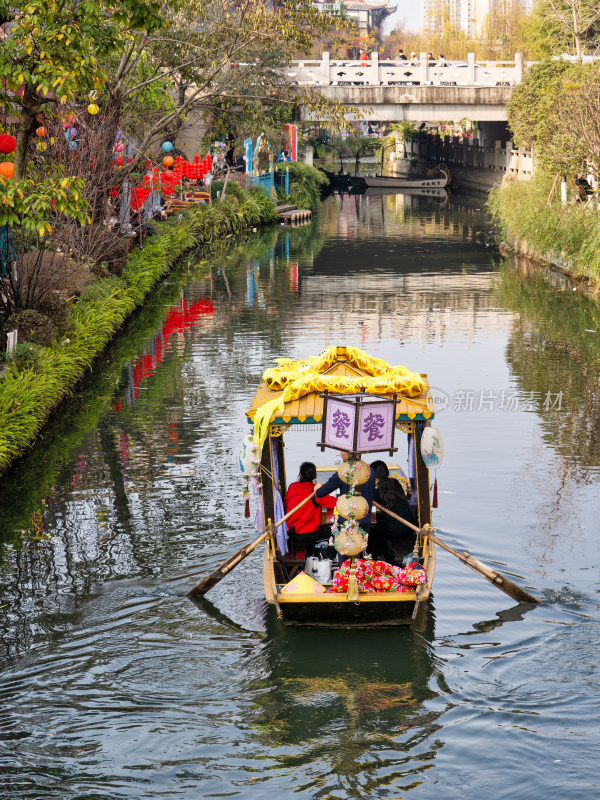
495 578
232 562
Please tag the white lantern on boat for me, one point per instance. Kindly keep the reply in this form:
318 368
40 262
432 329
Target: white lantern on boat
249 462
248 456
432 447
432 453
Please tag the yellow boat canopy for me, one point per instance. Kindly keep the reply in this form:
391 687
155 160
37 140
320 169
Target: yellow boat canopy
308 409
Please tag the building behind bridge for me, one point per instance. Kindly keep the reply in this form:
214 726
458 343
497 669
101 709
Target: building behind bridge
366 13
468 16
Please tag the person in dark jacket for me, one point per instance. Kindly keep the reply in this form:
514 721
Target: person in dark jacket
388 531
367 490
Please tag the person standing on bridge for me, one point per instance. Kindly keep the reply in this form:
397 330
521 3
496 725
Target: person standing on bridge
363 58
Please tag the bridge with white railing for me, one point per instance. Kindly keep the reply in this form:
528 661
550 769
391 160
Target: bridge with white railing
417 91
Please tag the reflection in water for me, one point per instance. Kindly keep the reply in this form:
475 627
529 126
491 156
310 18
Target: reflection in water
116 686
362 716
555 347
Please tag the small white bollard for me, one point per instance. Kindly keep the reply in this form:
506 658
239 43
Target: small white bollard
11 342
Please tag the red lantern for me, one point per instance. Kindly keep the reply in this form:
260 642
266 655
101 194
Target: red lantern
41 131
8 143
118 162
139 197
167 189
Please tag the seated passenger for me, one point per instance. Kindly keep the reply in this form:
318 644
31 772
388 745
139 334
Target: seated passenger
381 470
388 531
305 525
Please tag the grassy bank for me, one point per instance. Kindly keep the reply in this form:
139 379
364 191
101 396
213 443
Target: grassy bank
36 383
306 184
565 236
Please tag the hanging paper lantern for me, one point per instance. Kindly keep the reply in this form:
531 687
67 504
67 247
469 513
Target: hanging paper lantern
8 143
7 169
41 131
352 506
41 146
93 109
119 147
119 161
167 147
432 447
196 159
167 189
168 161
73 145
354 472
139 197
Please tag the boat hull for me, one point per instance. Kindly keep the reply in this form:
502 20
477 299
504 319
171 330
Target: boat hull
381 181
380 609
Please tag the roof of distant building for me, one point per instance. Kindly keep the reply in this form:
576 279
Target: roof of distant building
369 5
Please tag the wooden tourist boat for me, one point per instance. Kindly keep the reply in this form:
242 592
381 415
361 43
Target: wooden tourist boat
395 182
412 416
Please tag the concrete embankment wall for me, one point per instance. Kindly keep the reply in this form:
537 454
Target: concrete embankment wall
473 166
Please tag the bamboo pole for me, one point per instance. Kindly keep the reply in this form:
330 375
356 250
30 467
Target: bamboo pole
497 579
211 580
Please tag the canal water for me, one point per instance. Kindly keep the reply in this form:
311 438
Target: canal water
114 685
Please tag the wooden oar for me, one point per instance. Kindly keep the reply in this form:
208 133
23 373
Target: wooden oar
216 576
495 578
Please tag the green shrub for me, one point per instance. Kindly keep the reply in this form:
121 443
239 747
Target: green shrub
306 184
565 235
27 355
33 387
233 190
56 308
102 288
32 326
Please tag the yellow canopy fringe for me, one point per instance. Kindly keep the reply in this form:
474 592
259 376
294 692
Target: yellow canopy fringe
299 378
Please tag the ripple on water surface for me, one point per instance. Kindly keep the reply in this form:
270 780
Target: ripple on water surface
116 686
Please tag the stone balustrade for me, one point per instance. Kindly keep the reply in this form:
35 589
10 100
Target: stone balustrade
376 72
